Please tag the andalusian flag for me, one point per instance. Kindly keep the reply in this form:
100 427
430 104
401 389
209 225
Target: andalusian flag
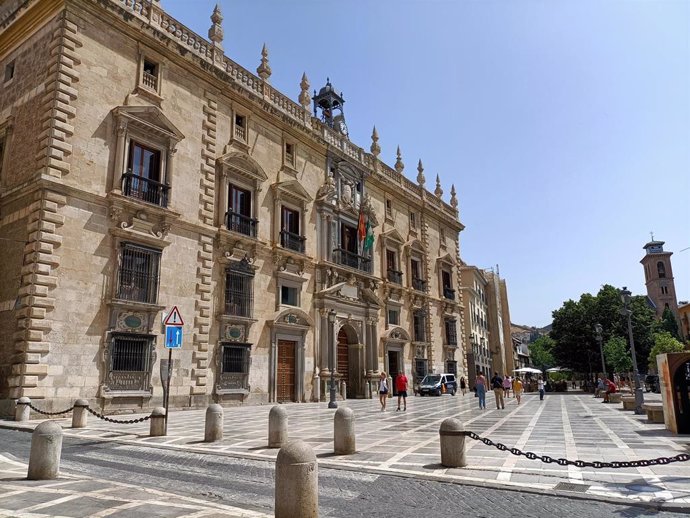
369 239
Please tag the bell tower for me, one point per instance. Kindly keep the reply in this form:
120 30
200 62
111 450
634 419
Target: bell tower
330 105
658 277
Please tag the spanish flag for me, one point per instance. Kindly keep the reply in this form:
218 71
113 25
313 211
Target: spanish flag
362 228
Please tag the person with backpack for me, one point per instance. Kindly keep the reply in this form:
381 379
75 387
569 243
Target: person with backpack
497 385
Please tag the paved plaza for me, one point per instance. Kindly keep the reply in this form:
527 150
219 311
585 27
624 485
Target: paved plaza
573 425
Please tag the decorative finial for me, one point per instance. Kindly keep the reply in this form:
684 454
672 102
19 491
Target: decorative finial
263 70
652 234
375 148
304 97
420 174
399 166
438 191
215 33
453 198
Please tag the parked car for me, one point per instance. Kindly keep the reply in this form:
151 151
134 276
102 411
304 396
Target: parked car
651 383
437 384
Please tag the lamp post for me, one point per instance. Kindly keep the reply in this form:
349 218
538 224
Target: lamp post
639 395
331 362
598 329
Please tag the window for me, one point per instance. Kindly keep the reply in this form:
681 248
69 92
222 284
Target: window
235 359
9 71
418 283
451 332
664 290
129 354
241 127
413 220
234 368
451 367
419 325
138 276
290 230
239 280
239 216
447 283
143 177
661 270
348 238
394 316
289 296
389 208
290 154
420 368
394 275
150 75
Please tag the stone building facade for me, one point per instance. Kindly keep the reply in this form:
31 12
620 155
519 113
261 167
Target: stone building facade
476 322
141 169
500 341
658 276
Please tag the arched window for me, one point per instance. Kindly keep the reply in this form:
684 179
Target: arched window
661 269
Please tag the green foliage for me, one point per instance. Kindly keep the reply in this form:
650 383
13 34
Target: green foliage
617 354
669 324
573 328
559 376
541 352
664 342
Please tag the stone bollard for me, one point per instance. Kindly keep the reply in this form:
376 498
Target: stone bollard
297 482
80 413
214 423
344 431
157 422
22 411
46 447
343 390
452 435
277 427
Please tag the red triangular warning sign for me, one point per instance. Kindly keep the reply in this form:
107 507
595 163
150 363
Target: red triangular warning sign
174 318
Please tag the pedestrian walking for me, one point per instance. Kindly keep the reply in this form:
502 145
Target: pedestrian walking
540 386
463 385
401 387
480 389
507 383
517 389
383 391
497 385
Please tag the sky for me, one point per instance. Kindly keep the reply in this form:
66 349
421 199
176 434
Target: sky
564 124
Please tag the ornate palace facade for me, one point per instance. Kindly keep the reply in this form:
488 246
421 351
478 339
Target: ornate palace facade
141 168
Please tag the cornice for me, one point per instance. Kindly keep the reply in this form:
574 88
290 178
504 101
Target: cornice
26 20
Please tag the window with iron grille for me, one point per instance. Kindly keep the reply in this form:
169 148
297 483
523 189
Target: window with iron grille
138 276
239 280
394 316
130 354
236 359
451 332
419 324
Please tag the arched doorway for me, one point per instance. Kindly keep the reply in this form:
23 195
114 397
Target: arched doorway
349 362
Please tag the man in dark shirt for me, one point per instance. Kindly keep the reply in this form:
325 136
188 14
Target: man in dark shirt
497 385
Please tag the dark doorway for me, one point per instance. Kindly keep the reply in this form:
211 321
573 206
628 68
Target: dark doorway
393 368
286 371
343 364
681 389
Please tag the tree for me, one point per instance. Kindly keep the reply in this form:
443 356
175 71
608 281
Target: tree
617 354
669 324
664 342
541 352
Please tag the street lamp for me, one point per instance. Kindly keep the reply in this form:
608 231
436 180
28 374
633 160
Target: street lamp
598 329
639 396
331 366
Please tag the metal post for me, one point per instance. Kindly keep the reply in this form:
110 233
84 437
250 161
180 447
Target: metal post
331 360
598 329
167 389
639 395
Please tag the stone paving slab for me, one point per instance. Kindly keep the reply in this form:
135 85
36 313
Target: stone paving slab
574 426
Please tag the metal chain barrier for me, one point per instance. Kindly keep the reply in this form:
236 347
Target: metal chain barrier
580 463
50 413
131 421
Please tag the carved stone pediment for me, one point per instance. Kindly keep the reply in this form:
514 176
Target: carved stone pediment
149 119
292 189
286 263
235 248
240 163
133 219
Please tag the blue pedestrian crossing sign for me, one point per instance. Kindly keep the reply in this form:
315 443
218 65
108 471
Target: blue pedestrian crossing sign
173 337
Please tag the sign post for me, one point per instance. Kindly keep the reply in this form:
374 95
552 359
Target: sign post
173 340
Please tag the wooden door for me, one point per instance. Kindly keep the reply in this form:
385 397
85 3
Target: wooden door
286 371
343 365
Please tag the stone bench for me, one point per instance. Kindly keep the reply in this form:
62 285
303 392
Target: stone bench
628 402
615 397
655 412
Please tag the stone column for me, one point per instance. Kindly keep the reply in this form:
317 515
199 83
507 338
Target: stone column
120 148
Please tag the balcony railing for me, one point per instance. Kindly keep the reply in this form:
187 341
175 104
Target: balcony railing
419 284
449 293
352 260
145 189
395 276
242 224
150 81
292 241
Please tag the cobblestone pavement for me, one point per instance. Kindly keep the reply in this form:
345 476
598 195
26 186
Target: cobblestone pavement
574 426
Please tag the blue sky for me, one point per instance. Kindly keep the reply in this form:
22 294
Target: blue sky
565 125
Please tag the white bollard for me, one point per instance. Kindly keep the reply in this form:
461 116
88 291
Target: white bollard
343 390
344 431
22 411
80 413
157 422
297 482
277 427
46 448
214 423
452 436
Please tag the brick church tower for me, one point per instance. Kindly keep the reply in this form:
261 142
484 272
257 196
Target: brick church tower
658 275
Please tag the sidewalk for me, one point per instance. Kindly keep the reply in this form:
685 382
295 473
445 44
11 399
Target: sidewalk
574 426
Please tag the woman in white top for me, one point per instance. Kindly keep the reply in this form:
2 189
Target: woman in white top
540 386
383 391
